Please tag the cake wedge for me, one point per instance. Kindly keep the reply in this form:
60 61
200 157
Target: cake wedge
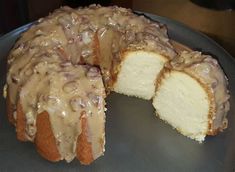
192 95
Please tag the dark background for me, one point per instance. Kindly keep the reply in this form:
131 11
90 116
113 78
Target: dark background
215 18
14 13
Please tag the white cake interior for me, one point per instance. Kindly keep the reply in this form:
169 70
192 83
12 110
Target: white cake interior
182 102
138 73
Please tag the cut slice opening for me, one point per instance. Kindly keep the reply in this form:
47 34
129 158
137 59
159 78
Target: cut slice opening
138 73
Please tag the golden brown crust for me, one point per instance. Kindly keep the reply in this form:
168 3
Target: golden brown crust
20 123
84 149
45 139
213 132
10 110
160 77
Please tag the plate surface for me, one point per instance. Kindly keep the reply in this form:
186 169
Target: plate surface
135 139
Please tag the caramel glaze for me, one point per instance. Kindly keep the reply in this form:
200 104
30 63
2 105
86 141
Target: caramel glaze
180 47
66 93
208 72
44 72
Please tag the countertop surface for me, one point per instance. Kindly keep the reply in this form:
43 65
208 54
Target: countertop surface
217 24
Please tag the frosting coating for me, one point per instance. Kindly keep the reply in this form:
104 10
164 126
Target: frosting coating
45 73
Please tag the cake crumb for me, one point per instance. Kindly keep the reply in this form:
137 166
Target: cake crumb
5 91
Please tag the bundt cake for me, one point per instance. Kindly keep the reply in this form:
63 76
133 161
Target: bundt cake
56 102
61 69
191 95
